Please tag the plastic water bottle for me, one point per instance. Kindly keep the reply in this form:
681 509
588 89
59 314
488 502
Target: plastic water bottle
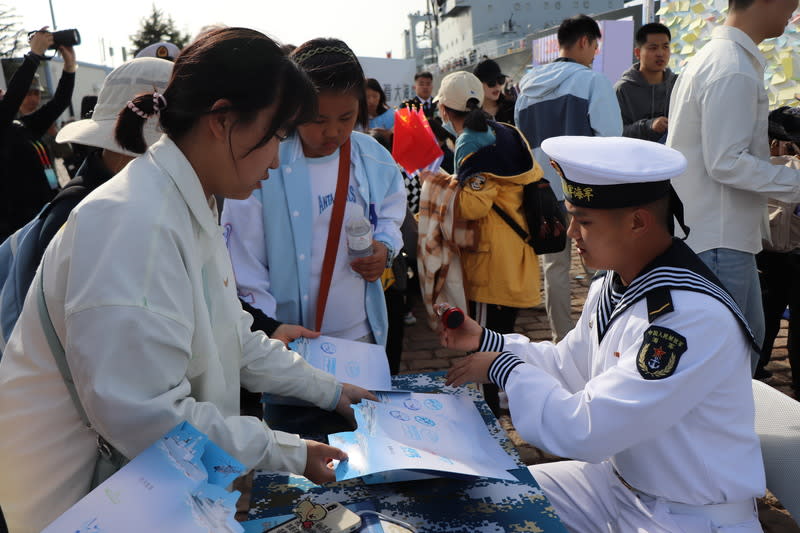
359 233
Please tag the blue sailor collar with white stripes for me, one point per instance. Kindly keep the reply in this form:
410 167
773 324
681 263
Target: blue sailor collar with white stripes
679 269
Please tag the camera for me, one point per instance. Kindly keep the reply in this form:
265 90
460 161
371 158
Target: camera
66 38
71 37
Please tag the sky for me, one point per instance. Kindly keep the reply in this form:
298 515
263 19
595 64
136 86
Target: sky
370 27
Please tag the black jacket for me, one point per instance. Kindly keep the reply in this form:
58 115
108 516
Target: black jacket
24 188
415 102
505 110
641 102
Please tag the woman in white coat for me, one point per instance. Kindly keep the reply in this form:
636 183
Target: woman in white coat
141 294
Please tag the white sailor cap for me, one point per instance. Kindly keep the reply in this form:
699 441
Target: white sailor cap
613 172
162 50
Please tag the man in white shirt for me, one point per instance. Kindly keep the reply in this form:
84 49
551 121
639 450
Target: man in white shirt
718 120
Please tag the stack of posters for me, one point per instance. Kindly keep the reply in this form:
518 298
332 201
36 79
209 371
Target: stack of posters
176 485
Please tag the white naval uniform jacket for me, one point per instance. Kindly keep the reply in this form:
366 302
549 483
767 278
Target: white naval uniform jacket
688 437
141 293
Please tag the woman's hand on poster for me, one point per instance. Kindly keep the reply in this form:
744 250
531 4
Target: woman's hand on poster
286 333
319 458
352 394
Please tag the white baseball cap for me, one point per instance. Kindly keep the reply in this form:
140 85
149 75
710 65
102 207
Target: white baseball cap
458 88
141 75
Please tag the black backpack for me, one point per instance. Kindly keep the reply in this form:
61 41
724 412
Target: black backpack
510 155
546 222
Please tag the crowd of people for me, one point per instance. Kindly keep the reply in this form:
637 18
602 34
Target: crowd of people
204 232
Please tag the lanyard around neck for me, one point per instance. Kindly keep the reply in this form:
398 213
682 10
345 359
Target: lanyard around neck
44 159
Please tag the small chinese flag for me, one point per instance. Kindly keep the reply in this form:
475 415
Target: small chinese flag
414 146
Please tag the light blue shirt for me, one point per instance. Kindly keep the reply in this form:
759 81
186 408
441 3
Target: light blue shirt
385 120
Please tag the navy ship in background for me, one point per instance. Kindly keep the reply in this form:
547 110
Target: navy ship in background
455 35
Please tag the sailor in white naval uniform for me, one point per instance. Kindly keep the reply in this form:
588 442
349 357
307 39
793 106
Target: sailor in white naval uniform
650 394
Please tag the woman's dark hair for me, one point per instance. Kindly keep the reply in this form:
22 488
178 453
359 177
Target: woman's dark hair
237 64
373 84
333 66
474 117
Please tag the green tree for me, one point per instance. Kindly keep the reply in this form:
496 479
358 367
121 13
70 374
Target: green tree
11 33
158 27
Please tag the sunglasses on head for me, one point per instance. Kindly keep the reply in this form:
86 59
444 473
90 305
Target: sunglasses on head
500 80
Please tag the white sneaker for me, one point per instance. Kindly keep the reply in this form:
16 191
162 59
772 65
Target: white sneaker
409 319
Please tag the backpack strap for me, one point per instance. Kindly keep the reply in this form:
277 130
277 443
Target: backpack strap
510 221
75 189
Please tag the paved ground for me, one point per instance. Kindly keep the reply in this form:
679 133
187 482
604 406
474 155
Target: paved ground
422 352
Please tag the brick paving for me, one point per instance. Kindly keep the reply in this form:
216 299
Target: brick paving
423 353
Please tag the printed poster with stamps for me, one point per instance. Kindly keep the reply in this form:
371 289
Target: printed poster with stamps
408 432
356 363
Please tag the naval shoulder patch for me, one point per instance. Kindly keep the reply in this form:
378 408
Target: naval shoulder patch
660 352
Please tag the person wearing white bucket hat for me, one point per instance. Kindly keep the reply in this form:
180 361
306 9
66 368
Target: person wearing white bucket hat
136 76
108 157
20 253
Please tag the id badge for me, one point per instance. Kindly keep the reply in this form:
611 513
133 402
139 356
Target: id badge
52 179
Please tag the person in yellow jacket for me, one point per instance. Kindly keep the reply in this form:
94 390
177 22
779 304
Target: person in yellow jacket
493 163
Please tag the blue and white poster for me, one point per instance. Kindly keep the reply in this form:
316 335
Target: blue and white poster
418 431
353 362
178 484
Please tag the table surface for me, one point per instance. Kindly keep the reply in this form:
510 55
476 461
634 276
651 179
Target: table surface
435 505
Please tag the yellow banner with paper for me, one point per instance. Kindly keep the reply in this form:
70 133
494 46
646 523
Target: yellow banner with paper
691 24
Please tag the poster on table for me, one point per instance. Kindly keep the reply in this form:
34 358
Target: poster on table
408 432
178 484
353 362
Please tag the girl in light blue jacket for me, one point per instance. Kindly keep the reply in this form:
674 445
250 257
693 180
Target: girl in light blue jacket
277 238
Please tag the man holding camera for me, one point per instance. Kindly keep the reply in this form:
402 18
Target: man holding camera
27 176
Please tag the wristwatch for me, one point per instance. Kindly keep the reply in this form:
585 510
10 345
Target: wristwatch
389 254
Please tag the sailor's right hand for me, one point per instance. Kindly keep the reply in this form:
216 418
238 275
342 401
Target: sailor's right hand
319 457
466 337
